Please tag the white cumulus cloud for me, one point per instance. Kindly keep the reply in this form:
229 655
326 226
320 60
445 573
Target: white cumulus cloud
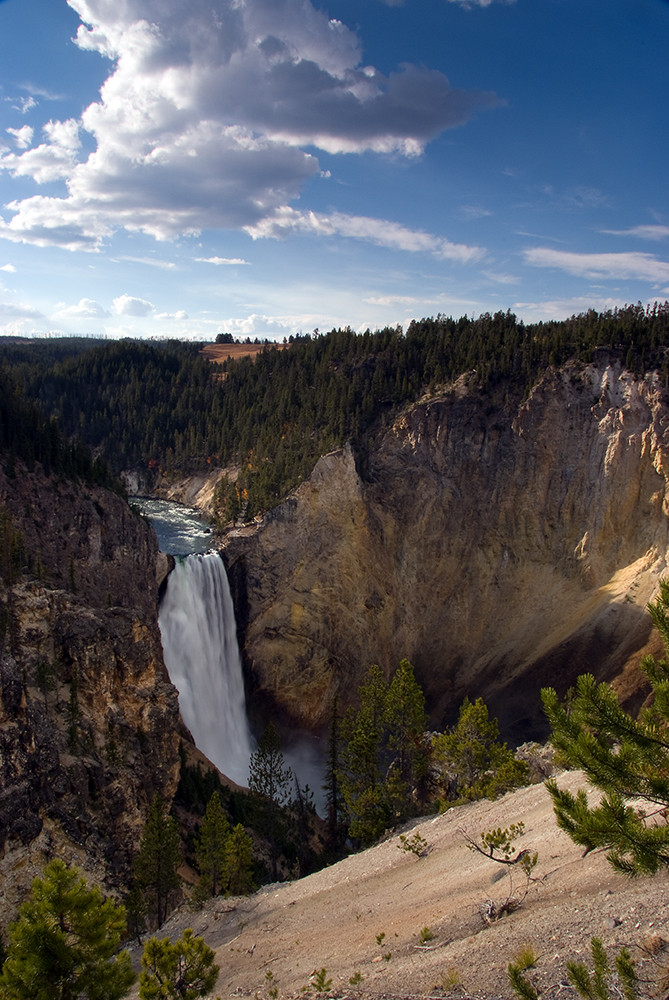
209 116
128 305
84 309
53 159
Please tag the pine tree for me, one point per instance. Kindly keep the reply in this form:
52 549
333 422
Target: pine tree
475 761
406 721
210 846
158 859
64 943
623 757
270 779
335 813
363 760
183 970
238 862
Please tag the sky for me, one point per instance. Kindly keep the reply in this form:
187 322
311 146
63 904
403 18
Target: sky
184 168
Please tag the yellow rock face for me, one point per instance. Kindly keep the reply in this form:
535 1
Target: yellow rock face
498 547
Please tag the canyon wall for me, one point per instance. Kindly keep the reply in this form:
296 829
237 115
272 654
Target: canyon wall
89 722
499 546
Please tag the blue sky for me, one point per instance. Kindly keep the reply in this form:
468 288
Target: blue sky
184 168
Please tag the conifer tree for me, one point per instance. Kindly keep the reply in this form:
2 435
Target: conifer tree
406 721
238 862
183 970
270 779
624 757
475 760
363 760
158 859
335 814
64 943
210 846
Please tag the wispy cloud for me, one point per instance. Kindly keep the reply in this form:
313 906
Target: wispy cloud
23 137
9 268
649 232
210 116
378 231
615 266
223 261
163 265
565 307
479 3
392 300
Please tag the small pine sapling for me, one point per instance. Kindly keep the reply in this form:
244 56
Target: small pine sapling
599 984
319 980
413 845
499 845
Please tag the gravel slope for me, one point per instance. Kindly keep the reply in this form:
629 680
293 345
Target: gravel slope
332 919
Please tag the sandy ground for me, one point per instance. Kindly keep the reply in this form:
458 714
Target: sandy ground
362 918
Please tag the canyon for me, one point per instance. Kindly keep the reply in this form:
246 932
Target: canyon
500 545
499 541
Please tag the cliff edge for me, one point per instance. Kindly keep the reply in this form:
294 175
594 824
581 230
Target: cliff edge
500 546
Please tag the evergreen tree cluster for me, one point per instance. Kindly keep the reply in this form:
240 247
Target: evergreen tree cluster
160 406
384 767
27 435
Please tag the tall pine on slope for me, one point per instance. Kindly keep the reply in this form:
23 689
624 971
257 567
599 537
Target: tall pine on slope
626 758
210 846
158 859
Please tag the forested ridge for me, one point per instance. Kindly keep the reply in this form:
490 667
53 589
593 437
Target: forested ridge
158 405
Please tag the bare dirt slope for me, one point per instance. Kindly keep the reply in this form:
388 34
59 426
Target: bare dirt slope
218 353
365 915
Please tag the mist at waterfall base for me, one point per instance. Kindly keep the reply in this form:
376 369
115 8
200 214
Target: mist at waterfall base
202 657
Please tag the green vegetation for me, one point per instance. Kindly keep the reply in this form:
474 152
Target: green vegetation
160 406
27 435
598 984
320 982
498 845
157 861
183 970
269 780
413 845
626 758
210 847
65 943
474 762
384 752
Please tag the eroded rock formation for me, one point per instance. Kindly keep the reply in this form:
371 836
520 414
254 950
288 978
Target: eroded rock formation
88 717
500 547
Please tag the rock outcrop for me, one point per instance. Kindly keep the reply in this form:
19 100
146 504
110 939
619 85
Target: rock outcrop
89 721
500 547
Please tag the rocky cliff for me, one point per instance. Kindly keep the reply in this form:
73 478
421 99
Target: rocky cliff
88 718
500 546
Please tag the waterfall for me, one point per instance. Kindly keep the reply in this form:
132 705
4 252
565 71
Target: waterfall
197 624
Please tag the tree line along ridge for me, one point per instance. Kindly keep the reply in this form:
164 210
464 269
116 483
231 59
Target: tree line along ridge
157 406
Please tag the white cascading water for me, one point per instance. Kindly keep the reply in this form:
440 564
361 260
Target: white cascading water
197 624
